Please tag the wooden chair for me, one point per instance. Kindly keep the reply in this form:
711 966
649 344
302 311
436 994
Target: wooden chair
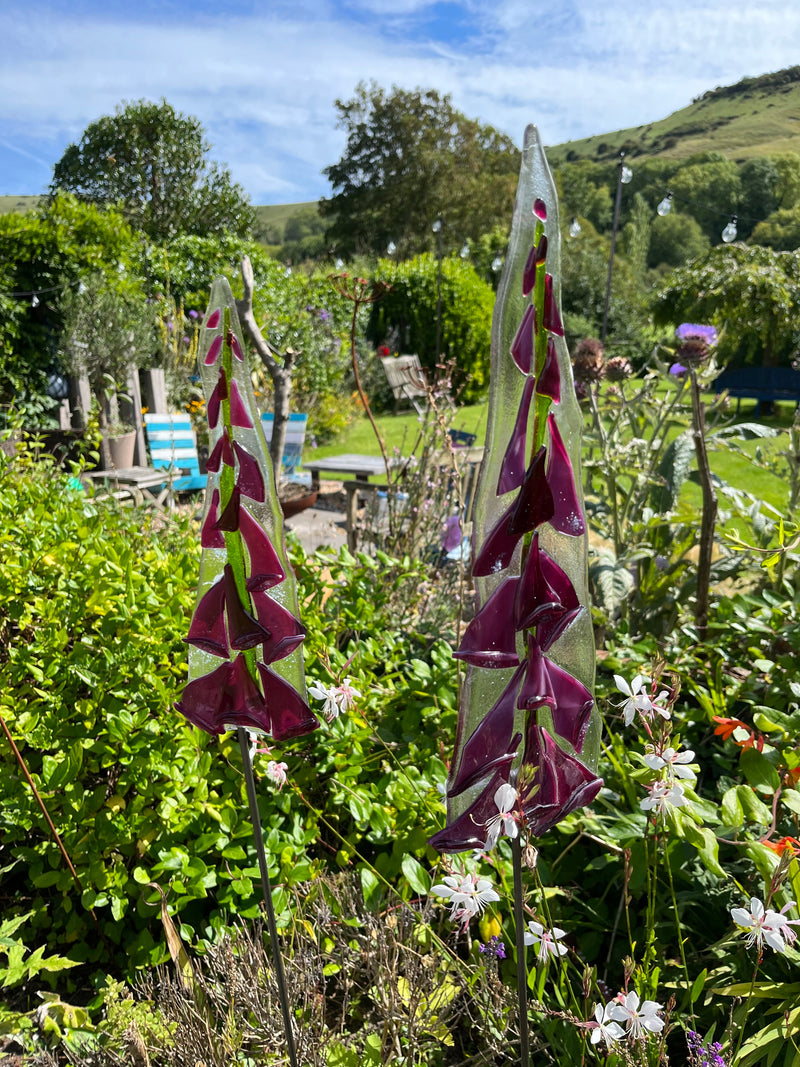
173 447
407 381
295 440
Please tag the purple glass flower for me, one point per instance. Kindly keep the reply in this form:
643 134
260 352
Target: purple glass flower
678 370
560 782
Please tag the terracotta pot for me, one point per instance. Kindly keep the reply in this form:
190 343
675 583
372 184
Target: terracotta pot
295 504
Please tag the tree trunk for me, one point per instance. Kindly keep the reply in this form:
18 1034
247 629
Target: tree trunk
279 372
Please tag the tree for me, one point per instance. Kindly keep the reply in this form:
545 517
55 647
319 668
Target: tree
674 239
153 161
709 190
411 158
753 292
584 189
761 182
44 255
108 328
781 230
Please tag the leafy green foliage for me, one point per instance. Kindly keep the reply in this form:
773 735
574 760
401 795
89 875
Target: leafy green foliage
411 158
752 291
408 314
94 602
152 160
49 251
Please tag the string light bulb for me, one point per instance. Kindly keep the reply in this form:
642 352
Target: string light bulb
437 226
35 301
464 253
497 263
730 231
391 248
665 206
625 175
574 227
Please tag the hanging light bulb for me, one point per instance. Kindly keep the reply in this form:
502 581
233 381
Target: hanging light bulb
339 263
574 227
665 206
625 175
464 253
497 263
35 301
730 231
391 248
437 226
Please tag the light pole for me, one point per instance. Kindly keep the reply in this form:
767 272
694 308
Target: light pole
624 176
437 229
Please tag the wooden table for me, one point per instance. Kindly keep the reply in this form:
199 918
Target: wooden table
360 466
365 467
134 480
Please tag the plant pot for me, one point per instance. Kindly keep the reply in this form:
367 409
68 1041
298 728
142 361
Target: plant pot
295 498
121 450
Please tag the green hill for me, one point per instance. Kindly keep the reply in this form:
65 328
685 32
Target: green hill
755 117
18 204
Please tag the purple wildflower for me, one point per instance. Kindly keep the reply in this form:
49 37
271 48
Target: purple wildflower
678 370
494 948
701 1055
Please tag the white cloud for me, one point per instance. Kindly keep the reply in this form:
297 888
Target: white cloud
264 86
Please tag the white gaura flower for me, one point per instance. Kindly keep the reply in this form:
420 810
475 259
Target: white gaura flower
467 894
605 1028
505 821
330 708
638 700
547 940
277 772
766 925
662 796
336 698
346 693
673 762
625 1009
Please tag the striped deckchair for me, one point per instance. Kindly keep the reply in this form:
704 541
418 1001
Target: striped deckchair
295 439
173 447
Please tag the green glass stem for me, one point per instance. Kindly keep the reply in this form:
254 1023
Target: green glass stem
258 836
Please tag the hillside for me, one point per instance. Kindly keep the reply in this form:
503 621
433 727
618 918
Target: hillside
18 204
755 117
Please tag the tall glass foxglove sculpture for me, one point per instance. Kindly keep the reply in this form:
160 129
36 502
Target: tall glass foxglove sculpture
245 663
526 715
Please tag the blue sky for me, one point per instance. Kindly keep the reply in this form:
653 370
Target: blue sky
262 75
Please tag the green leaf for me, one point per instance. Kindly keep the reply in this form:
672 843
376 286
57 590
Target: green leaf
697 985
370 886
416 875
703 839
731 809
759 772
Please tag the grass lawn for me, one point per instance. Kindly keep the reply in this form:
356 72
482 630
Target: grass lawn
401 431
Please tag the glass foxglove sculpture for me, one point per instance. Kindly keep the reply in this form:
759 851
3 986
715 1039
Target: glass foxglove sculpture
526 715
245 663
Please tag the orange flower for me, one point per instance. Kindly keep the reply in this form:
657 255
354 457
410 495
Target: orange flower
780 846
727 727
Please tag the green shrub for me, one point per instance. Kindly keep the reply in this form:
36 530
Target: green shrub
408 314
94 602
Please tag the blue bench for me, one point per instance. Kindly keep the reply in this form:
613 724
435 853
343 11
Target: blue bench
765 384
